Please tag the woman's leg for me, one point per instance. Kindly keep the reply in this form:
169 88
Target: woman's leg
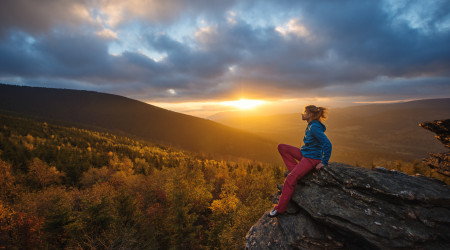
290 154
302 168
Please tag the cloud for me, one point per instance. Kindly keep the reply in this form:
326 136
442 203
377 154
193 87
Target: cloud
364 32
294 27
107 33
198 49
116 12
354 42
35 17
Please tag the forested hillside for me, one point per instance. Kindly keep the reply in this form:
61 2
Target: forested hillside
118 114
71 188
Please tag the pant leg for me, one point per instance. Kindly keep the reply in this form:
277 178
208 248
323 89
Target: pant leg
290 154
302 168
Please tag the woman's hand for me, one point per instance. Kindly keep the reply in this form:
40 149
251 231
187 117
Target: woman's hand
319 166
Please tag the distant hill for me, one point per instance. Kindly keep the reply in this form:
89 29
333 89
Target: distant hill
360 134
134 118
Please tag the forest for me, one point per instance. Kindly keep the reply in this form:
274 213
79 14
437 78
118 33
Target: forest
71 188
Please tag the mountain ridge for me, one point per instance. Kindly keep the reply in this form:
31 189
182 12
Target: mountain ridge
136 118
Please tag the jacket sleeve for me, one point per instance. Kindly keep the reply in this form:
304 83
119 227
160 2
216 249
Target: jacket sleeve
318 133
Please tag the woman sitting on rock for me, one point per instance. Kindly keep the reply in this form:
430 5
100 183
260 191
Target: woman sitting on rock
315 152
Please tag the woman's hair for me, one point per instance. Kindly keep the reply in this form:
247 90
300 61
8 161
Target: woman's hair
319 113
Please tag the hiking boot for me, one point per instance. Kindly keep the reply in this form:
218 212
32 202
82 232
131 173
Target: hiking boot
274 213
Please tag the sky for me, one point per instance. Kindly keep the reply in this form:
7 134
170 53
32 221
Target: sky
201 56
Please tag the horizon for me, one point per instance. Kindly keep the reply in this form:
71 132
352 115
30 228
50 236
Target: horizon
202 58
258 110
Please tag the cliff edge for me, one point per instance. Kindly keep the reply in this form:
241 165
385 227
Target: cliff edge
346 207
439 161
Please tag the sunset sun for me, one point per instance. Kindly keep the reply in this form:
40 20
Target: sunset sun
244 104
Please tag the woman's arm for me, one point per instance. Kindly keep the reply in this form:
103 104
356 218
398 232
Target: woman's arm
318 133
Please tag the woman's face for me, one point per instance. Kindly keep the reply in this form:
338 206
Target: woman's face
306 115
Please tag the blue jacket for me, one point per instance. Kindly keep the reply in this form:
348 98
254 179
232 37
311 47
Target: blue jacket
316 143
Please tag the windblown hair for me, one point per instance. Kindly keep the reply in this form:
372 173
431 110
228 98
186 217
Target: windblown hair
319 113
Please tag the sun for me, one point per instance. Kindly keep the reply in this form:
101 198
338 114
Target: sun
243 104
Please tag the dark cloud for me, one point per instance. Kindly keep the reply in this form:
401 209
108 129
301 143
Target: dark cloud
330 48
17 56
35 17
354 42
73 54
57 54
362 32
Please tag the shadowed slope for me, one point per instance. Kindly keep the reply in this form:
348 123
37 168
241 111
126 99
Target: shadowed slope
120 114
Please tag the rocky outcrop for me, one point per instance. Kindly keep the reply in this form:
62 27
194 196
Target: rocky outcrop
346 207
439 161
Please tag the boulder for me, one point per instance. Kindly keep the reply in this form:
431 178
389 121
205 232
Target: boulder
346 207
441 128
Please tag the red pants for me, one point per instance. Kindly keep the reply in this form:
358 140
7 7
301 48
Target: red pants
298 169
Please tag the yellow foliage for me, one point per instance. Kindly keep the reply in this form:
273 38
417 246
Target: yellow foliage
7 180
40 203
29 142
95 194
6 214
124 165
96 175
43 175
142 167
160 196
225 205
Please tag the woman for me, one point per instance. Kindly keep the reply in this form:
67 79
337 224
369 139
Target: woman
315 152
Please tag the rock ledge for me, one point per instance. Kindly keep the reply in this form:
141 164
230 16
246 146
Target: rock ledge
439 161
346 207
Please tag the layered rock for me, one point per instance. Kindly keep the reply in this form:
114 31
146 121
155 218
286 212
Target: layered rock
439 161
345 207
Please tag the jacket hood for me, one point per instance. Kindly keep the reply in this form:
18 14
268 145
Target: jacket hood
324 128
